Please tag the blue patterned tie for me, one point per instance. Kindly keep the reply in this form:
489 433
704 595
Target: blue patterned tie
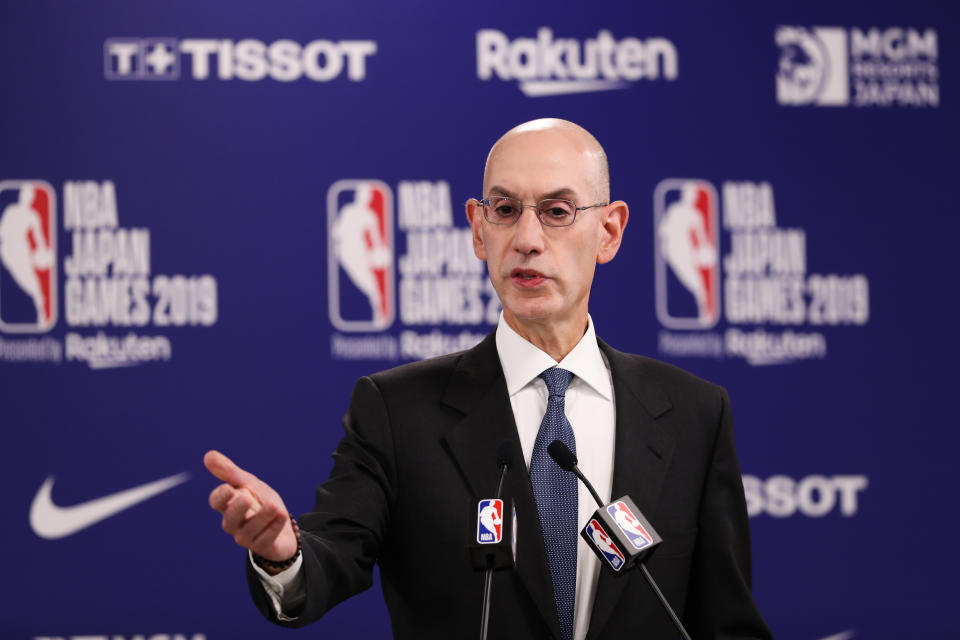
556 493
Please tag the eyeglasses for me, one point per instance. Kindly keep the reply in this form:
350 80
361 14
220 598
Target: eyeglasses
552 212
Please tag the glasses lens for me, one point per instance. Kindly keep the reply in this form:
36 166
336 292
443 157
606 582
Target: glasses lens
502 210
557 213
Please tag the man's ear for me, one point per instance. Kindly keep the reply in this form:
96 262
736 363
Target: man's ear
612 224
475 218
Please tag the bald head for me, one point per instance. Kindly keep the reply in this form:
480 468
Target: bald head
542 272
549 134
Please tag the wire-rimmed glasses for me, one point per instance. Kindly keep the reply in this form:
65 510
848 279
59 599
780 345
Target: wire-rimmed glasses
552 212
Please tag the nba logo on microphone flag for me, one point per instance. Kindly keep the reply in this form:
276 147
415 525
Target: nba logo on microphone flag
490 521
630 525
602 542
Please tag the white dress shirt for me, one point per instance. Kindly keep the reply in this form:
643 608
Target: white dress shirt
591 411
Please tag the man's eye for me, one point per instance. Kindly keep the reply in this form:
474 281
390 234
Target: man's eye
505 211
556 210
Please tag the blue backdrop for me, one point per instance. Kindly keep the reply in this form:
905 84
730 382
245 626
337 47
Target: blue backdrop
215 216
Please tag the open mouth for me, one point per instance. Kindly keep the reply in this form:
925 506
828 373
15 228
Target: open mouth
525 273
527 277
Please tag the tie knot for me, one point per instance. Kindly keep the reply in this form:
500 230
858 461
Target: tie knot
557 380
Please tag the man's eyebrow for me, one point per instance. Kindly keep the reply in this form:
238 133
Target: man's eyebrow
563 193
500 191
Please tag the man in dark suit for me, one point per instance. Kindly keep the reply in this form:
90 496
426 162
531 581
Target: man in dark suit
421 442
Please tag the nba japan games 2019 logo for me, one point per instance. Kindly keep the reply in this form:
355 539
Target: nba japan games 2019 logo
490 521
687 255
361 250
600 539
763 274
630 525
28 256
396 265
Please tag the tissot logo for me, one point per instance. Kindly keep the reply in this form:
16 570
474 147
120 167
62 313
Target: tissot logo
546 66
248 59
813 496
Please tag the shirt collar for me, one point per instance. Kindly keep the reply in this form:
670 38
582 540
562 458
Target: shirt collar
522 362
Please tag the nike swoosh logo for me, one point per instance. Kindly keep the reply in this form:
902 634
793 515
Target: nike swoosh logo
843 635
51 522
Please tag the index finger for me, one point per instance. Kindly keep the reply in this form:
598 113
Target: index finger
224 468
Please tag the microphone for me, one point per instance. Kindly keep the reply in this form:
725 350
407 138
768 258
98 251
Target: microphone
495 543
504 454
495 546
567 460
618 533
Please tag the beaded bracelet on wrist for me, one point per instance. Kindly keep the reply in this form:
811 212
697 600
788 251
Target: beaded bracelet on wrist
270 564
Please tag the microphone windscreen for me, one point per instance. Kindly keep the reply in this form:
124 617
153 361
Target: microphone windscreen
562 455
504 454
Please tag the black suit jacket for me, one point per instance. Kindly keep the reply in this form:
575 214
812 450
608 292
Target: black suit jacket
420 449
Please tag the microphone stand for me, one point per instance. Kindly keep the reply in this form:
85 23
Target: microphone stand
642 567
488 573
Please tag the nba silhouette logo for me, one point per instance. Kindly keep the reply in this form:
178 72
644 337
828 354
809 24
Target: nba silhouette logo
360 255
28 256
490 521
630 525
687 254
601 541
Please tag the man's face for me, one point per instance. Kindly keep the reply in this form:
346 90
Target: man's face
543 274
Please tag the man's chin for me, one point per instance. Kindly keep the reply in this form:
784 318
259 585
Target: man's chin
531 311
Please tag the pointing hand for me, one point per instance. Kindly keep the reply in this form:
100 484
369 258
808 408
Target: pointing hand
253 513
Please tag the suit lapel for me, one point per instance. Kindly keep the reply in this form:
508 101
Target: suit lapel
478 389
642 455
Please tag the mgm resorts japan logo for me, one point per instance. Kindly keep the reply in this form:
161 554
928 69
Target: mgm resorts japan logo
837 67
548 66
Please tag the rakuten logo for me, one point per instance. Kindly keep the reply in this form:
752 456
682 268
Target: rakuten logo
814 496
547 66
250 60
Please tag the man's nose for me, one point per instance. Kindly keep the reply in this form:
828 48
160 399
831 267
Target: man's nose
528 231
